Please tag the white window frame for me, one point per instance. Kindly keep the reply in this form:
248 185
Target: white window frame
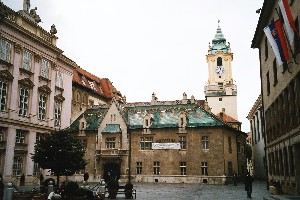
23 102
156 167
59 79
182 141
110 143
45 68
204 168
20 137
42 106
5 51
57 113
3 95
146 143
139 167
17 166
27 60
36 169
182 168
205 142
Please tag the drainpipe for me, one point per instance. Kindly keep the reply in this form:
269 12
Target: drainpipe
129 155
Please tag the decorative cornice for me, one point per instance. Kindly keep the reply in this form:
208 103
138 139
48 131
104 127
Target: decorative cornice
25 71
37 58
5 64
6 75
44 89
18 48
26 82
59 98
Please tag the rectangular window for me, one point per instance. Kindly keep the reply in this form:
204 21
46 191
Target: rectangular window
23 104
268 83
205 141
3 95
1 134
5 51
182 168
291 160
239 147
110 143
20 137
266 49
27 60
156 168
229 145
275 72
139 167
38 137
204 169
36 169
84 144
17 166
45 68
182 141
42 106
59 79
57 113
146 143
230 169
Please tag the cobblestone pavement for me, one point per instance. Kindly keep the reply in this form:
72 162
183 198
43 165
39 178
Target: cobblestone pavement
165 191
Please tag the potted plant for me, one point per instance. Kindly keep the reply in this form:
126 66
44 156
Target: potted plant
112 187
128 190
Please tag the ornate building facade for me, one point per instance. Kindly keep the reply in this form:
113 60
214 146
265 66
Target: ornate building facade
220 90
161 141
35 89
280 90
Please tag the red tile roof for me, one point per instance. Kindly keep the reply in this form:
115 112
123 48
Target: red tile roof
102 86
226 118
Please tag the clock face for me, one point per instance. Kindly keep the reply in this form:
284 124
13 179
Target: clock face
219 70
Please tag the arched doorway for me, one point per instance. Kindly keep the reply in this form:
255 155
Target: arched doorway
111 171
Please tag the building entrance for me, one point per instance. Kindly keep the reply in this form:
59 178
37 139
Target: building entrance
111 171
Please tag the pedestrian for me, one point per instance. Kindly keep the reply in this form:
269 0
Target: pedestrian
248 184
234 177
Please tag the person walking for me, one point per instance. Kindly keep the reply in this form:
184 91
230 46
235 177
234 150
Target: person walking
248 184
234 177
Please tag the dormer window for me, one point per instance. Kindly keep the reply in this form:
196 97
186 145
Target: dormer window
147 122
182 120
92 85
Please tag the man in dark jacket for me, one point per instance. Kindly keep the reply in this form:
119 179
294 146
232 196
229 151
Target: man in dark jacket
248 184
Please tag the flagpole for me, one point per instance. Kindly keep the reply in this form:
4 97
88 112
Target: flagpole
289 45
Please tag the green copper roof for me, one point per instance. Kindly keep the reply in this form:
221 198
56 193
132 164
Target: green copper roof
92 117
164 116
219 43
112 128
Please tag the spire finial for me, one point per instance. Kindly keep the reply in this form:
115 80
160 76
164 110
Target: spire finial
218 22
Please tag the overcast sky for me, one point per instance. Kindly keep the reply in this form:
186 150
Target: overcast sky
160 46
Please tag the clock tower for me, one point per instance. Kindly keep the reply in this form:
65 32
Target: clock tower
220 90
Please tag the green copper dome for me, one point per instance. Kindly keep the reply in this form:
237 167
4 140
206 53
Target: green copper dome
219 43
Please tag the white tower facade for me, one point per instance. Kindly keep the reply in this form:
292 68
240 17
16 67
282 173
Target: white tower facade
220 90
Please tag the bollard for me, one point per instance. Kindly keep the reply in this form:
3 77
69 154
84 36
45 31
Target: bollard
50 187
9 191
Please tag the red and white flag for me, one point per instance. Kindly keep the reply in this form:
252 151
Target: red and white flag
288 19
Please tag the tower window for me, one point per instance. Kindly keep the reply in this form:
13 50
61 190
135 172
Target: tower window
220 99
219 61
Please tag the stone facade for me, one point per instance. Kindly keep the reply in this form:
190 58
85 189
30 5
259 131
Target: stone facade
280 101
255 117
197 147
36 88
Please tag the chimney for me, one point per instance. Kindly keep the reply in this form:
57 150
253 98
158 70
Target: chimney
154 99
184 98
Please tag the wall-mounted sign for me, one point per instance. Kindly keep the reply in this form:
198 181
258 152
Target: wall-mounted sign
165 145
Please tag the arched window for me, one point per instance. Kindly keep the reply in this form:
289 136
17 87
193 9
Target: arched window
219 61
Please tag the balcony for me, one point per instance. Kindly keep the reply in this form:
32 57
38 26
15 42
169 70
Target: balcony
111 153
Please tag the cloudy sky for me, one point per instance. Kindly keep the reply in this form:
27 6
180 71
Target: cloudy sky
160 46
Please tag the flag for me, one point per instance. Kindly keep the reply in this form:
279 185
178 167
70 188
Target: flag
288 19
277 40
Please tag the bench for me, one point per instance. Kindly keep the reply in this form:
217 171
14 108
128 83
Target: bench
122 191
